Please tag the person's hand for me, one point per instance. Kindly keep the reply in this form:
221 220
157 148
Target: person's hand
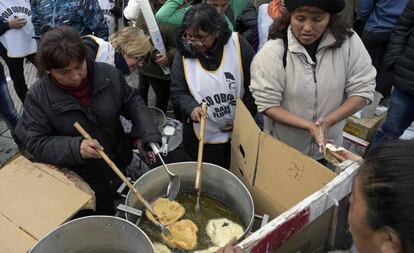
88 149
315 131
162 60
150 156
228 126
197 113
230 249
323 126
17 23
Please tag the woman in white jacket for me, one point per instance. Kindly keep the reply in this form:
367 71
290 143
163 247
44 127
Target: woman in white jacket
308 88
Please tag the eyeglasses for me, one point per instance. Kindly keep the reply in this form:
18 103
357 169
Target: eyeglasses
198 41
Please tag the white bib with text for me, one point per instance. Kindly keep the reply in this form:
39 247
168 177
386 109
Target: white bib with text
218 88
18 42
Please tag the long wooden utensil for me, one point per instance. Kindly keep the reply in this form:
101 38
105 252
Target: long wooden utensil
200 158
119 173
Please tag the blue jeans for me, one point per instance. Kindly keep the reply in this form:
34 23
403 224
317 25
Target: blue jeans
7 111
400 115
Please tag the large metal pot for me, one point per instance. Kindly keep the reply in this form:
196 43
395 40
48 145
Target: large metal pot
102 234
217 183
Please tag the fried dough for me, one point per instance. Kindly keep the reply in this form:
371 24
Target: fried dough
167 211
184 235
161 248
222 231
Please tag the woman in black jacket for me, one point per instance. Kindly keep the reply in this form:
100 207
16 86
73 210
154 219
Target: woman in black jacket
212 65
71 90
400 60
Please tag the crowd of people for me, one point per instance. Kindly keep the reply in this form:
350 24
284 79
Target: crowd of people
301 67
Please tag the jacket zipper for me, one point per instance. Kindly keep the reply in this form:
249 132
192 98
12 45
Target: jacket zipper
314 105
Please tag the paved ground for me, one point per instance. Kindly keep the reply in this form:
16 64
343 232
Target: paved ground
7 146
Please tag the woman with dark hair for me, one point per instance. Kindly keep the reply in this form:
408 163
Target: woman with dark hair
73 89
381 204
311 76
212 65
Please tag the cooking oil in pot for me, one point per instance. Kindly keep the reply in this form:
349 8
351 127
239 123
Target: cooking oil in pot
210 209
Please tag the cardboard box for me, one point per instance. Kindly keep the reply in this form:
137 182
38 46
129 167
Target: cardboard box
364 129
34 200
279 177
354 144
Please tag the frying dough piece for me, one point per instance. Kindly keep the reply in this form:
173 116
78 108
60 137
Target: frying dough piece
209 250
222 231
161 248
184 235
167 211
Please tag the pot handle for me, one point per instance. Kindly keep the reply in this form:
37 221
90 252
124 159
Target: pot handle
264 218
122 188
127 209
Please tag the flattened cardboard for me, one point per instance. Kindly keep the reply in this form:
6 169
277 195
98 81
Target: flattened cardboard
287 175
35 201
13 239
245 142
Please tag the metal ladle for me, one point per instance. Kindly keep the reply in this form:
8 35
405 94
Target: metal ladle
174 181
167 132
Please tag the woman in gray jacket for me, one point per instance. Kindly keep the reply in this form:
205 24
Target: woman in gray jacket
308 88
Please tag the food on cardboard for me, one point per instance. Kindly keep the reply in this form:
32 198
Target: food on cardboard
167 211
161 248
222 231
184 235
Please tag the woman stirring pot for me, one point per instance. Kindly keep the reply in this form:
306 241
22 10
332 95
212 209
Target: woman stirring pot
212 65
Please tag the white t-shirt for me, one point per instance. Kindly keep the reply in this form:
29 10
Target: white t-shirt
18 42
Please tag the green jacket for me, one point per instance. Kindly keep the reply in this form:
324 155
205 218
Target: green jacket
173 11
350 12
168 34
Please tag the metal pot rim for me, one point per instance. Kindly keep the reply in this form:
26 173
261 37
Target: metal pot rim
94 217
152 171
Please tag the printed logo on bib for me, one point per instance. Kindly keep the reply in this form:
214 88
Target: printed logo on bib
230 80
220 103
13 10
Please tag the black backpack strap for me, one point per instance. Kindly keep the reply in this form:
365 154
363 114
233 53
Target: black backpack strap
285 46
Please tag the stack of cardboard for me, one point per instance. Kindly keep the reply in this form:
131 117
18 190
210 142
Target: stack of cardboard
34 200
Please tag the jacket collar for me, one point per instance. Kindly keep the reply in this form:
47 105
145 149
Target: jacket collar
295 47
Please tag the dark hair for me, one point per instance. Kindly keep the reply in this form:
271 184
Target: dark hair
387 183
336 25
58 47
204 17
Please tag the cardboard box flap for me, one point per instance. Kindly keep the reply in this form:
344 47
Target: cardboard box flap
36 201
245 141
286 174
13 239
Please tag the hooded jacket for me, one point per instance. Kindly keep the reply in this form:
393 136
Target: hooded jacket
47 131
309 89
